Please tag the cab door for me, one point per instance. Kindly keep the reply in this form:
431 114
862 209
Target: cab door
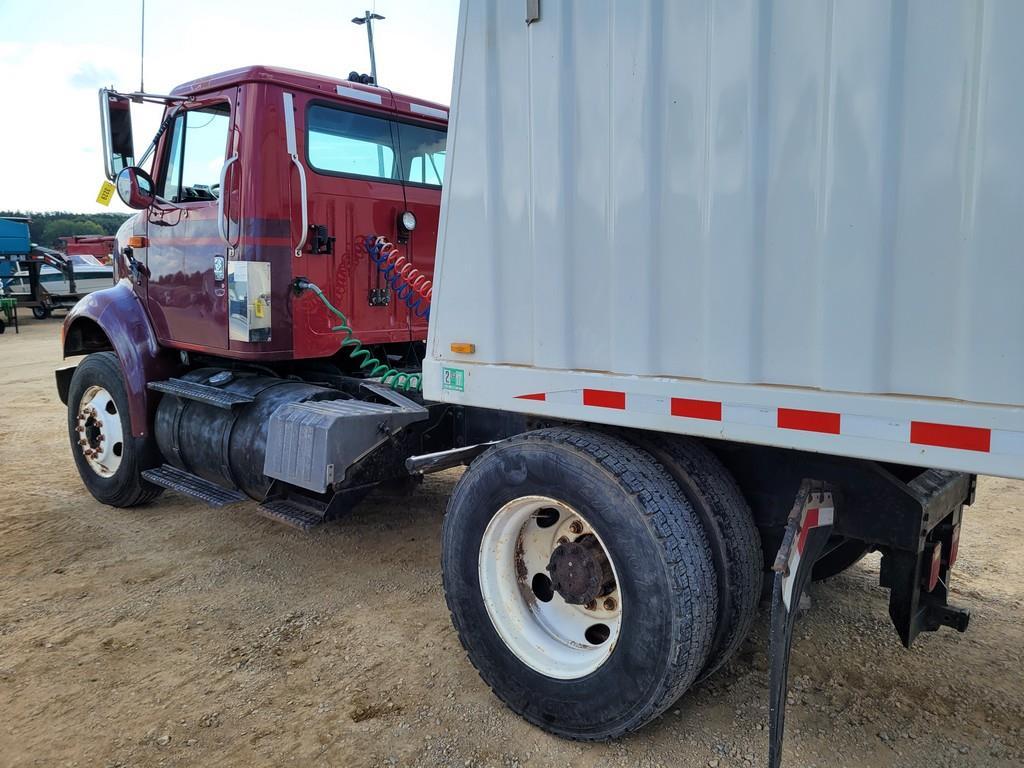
366 168
186 257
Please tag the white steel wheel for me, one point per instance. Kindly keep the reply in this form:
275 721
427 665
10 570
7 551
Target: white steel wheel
550 587
100 436
109 458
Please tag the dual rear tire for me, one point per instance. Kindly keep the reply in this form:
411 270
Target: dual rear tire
589 587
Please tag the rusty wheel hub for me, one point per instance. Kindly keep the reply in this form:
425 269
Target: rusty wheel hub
580 571
98 431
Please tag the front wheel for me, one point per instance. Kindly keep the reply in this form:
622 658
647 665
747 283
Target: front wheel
40 312
579 580
110 459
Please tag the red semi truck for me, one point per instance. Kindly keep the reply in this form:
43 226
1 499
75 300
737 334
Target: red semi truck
276 200
265 341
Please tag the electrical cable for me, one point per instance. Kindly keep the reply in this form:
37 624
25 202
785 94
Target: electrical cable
390 377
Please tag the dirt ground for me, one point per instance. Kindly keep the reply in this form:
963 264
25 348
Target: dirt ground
177 635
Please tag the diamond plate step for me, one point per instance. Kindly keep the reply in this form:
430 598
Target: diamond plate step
288 512
201 393
175 479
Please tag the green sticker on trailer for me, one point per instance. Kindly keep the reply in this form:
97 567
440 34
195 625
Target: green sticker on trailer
453 379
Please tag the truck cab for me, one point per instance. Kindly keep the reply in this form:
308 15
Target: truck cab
263 175
273 287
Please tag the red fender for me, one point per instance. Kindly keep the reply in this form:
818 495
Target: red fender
115 319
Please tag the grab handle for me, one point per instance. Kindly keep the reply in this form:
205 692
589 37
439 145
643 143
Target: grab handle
293 153
221 228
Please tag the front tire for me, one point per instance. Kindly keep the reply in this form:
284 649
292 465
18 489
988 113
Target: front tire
109 458
619 623
40 312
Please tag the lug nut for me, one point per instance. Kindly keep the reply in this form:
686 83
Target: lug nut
79 428
591 606
82 442
609 603
576 527
563 539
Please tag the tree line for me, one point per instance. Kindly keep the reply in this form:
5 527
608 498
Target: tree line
47 227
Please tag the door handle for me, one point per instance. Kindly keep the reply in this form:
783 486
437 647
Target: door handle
221 224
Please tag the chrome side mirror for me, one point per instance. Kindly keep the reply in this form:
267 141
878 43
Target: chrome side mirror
116 127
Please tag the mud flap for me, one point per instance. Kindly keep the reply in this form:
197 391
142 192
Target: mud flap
807 532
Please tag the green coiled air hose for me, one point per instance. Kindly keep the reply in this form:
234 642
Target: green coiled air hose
391 377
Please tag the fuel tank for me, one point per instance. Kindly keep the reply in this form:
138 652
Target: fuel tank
227 446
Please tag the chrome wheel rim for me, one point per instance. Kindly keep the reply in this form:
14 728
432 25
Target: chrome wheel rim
98 431
528 577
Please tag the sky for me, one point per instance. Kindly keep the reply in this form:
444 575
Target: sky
56 54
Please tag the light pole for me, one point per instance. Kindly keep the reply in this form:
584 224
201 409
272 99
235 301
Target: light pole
368 18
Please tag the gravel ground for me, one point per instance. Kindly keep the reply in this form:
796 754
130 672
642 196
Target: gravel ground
176 635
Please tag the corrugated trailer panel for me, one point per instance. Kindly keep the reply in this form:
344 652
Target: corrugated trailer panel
823 195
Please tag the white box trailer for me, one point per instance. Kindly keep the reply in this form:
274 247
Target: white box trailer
721 256
796 224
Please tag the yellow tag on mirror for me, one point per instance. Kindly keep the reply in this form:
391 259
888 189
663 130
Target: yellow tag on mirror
106 193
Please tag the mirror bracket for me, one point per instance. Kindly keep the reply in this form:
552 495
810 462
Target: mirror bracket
116 127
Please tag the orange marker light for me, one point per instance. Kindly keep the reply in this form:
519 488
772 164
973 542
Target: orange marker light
462 348
138 241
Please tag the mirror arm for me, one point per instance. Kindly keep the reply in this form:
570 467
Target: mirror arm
155 98
159 132
138 97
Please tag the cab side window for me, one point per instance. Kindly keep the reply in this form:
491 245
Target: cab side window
424 150
197 147
345 143
350 143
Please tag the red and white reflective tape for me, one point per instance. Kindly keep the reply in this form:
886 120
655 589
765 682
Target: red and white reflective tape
813 517
914 432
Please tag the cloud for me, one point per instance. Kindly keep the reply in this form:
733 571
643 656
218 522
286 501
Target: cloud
92 77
